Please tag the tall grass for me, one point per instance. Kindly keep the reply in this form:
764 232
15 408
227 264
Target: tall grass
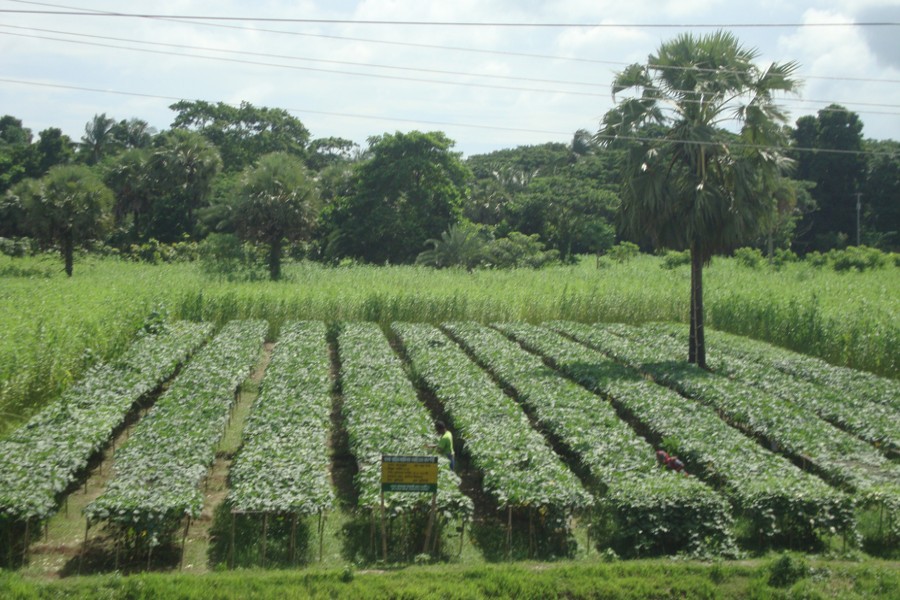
53 327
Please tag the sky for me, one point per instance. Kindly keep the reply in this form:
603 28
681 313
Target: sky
496 85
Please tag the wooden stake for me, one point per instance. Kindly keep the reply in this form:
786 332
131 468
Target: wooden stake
462 537
27 540
430 525
509 534
87 527
231 544
265 535
293 538
183 541
321 534
383 531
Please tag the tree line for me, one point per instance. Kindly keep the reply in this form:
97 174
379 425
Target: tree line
256 175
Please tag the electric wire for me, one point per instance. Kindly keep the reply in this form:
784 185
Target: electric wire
116 14
431 46
730 144
804 106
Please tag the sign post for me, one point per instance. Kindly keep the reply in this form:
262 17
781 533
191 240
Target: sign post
402 473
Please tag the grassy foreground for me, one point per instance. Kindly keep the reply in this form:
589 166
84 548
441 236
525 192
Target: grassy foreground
53 327
785 576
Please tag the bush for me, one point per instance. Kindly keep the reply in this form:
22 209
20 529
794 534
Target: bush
672 259
518 250
623 251
817 259
859 258
225 256
783 256
17 247
787 570
749 257
155 252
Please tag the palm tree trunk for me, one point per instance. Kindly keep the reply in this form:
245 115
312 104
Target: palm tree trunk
68 251
696 340
275 260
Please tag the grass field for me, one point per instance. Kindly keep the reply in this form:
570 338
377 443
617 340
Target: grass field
784 576
52 327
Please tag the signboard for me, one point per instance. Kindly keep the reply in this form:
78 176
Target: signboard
409 473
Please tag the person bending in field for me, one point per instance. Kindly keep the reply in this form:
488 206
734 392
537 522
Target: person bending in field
670 462
444 445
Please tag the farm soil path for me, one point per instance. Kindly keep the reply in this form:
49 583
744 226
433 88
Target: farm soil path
199 534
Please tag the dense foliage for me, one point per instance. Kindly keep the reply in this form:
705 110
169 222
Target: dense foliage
282 466
778 499
46 455
160 467
642 508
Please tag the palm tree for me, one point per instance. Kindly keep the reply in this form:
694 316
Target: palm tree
70 205
693 184
278 201
98 137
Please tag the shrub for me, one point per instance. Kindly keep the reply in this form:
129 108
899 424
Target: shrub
673 259
787 570
518 250
859 258
783 256
623 251
749 257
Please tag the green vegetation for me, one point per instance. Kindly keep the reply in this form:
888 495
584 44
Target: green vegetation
776 577
52 328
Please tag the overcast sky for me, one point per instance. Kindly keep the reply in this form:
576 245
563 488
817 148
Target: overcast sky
487 87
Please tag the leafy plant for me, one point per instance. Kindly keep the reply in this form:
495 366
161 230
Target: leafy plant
160 467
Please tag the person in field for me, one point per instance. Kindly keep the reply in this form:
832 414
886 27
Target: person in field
444 444
670 462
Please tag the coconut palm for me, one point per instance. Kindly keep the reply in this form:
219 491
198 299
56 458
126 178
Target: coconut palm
705 143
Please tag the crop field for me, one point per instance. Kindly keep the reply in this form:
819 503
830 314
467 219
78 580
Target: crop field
225 427
556 429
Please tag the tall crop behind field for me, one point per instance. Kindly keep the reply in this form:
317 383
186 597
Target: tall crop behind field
53 328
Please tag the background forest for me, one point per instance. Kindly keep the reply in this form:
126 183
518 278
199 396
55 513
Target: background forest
203 188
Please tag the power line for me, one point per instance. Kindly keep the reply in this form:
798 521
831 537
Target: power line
463 125
449 23
300 58
429 46
389 77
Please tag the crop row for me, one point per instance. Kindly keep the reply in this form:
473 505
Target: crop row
873 422
282 466
46 455
160 467
649 508
837 455
383 415
775 495
854 385
520 469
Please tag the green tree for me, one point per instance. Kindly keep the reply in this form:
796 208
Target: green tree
243 133
837 166
98 139
277 202
881 194
409 191
53 148
178 181
133 133
17 157
698 187
68 206
462 245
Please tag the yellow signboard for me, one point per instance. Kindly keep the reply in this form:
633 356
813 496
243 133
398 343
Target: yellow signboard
409 473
